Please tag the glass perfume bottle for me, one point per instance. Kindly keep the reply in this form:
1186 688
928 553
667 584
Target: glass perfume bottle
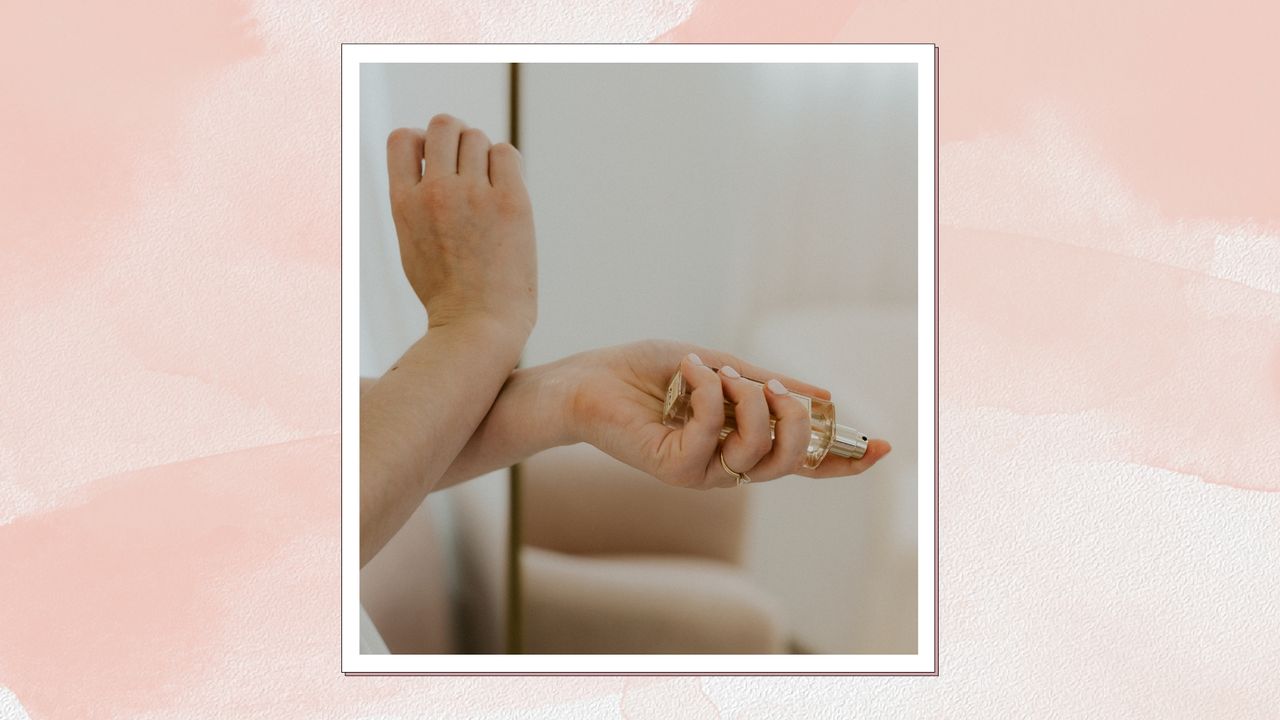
825 436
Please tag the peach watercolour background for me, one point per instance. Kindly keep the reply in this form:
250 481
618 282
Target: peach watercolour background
1110 360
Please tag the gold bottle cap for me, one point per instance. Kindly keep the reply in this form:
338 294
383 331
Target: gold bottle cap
848 443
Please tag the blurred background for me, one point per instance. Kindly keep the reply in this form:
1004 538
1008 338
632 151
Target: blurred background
765 210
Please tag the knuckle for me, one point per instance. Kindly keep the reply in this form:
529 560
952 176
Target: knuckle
792 408
755 441
715 417
441 121
474 133
398 136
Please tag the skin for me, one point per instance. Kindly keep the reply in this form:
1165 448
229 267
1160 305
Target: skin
455 406
465 227
617 401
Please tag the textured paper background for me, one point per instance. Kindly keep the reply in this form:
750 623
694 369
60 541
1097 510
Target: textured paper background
1110 376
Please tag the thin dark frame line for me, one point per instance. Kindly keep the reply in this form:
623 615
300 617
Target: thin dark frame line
937 391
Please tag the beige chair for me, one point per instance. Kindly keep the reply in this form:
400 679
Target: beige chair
614 561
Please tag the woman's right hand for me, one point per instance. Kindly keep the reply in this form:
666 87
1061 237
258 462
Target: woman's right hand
465 225
613 399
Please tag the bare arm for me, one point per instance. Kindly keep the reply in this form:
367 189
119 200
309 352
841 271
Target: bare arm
531 414
416 419
465 230
612 398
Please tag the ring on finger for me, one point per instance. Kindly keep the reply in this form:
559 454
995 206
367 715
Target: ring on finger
740 477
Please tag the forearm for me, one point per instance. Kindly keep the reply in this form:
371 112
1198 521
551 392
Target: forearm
531 414
418 417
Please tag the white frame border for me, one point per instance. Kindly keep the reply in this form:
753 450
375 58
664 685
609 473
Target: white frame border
924 662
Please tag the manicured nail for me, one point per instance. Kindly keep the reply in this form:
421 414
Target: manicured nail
693 358
776 387
729 371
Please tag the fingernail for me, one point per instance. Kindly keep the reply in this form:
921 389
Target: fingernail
776 387
729 371
693 358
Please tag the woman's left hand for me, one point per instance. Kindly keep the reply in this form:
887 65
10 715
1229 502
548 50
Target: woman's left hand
616 404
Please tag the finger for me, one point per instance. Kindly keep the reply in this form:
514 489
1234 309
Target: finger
700 435
755 372
750 441
835 466
506 166
473 155
441 146
404 158
792 384
791 434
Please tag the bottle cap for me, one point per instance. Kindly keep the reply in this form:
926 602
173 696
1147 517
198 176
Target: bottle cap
848 443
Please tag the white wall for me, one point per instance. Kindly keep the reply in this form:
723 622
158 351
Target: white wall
686 200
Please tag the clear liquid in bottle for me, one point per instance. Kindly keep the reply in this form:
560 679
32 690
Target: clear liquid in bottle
824 434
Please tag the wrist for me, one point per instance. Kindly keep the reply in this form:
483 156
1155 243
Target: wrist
552 389
499 336
509 326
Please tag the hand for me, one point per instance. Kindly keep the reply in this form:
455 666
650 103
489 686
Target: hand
465 225
616 405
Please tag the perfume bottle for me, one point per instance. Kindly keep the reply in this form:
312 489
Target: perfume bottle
824 434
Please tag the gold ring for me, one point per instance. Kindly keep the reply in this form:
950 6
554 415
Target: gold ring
740 477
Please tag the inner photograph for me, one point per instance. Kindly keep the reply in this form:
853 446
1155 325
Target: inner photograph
639 360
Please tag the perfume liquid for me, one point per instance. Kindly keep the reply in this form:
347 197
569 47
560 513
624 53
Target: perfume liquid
825 436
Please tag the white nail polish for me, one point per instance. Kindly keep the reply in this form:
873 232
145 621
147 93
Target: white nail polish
730 372
825 435
693 358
